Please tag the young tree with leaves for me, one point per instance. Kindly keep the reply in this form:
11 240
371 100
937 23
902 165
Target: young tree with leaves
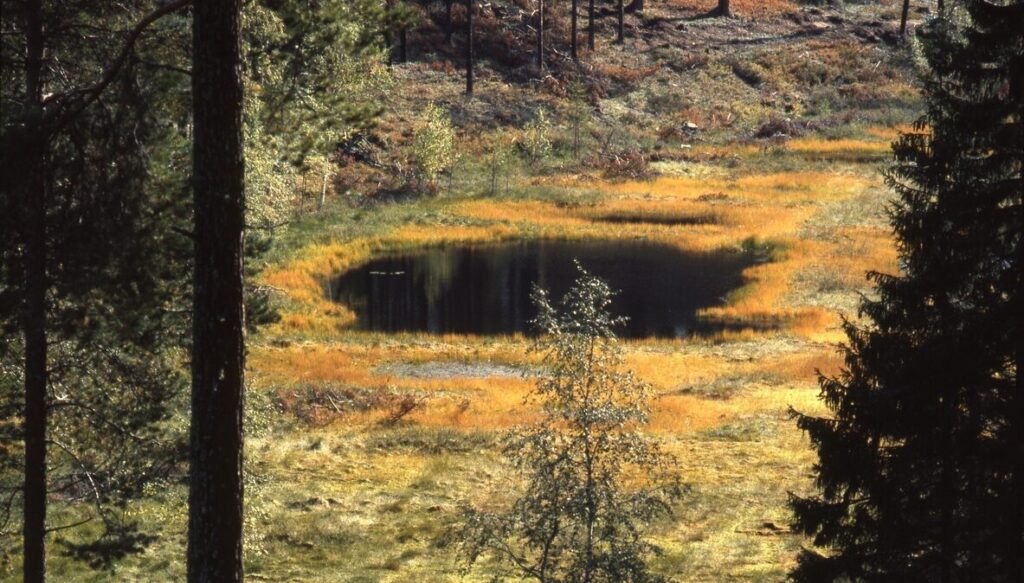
921 464
434 146
576 519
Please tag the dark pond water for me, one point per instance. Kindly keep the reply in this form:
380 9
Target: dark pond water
649 219
486 289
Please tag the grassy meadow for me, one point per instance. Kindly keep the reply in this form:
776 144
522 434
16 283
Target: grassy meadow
351 491
363 446
346 486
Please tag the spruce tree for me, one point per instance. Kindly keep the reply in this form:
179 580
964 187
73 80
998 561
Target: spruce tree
920 474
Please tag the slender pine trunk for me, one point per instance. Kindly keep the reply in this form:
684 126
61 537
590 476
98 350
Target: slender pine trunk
469 47
448 21
574 33
590 25
34 317
218 344
903 17
622 22
1015 566
540 36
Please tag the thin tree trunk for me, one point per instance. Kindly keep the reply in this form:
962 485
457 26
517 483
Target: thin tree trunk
622 22
903 17
448 21
469 47
1015 568
218 343
389 34
323 189
724 9
573 18
34 325
590 25
403 45
540 35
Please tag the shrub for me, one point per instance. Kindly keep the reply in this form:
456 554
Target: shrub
434 146
536 142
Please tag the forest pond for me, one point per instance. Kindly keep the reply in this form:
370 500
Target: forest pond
485 289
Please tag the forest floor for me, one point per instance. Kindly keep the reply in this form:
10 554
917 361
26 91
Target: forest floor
776 124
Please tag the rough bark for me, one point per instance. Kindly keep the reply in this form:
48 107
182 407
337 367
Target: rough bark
215 489
1015 566
32 188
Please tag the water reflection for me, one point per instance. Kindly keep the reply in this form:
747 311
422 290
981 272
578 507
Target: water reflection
486 289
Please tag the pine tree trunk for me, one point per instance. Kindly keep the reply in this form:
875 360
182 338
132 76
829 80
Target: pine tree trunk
469 47
903 17
34 325
1015 568
622 21
540 36
574 32
215 489
724 9
448 21
403 45
590 25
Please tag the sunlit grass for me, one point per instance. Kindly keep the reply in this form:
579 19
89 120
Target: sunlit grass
359 496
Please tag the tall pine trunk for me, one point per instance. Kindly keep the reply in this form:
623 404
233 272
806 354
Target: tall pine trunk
622 21
218 343
903 17
724 8
540 36
33 189
590 25
469 47
448 21
574 33
1015 568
